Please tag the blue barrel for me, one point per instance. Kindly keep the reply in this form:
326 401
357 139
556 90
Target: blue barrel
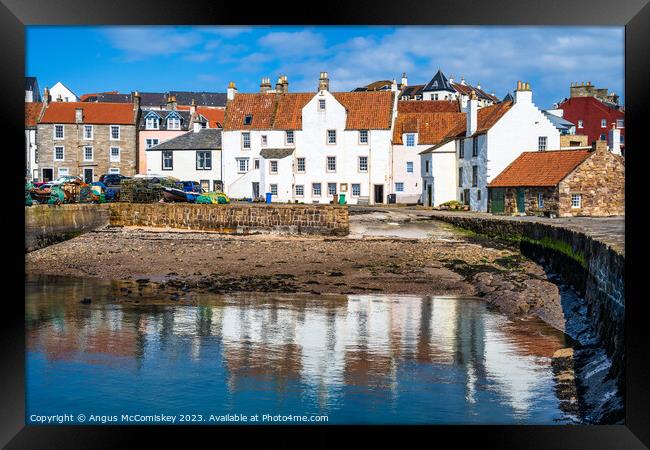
268 197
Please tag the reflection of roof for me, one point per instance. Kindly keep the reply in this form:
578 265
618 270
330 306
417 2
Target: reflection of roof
427 106
365 110
431 127
275 153
204 139
93 113
32 109
546 168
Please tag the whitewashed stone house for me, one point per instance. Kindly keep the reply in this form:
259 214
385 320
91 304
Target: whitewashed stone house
308 147
61 93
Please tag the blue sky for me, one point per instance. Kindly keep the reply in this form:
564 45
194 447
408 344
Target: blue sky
162 58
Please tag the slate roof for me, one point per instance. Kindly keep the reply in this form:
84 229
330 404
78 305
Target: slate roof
439 82
204 139
275 153
545 168
93 113
158 99
508 98
559 122
31 84
365 110
427 106
163 114
32 110
214 99
106 97
432 128
412 91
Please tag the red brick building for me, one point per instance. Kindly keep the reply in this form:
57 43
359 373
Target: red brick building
594 118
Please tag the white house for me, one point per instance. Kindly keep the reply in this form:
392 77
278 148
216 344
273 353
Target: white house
307 147
438 172
33 111
419 126
192 156
492 137
60 93
441 88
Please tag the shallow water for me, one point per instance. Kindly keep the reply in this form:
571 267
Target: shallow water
356 359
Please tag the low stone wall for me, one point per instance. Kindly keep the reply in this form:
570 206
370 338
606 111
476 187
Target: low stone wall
235 218
49 224
592 267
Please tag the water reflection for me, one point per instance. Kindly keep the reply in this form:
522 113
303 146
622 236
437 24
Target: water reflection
358 358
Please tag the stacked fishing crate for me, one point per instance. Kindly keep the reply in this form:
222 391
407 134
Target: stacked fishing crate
144 190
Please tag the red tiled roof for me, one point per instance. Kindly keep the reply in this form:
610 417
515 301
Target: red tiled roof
214 116
486 117
427 106
545 168
32 109
431 127
95 113
365 110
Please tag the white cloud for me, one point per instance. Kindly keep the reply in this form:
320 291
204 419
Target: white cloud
287 43
226 31
142 42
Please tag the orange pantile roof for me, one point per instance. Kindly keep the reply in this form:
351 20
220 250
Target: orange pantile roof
365 110
32 110
431 127
427 106
545 168
93 113
486 117
214 116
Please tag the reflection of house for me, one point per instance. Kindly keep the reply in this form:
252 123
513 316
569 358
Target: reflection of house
563 183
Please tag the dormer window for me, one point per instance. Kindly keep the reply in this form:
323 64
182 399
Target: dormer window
173 123
152 123
248 119
321 104
410 140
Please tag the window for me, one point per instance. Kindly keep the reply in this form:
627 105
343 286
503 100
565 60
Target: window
114 170
541 143
620 123
167 160
300 163
248 119
64 171
151 142
88 153
274 189
152 123
273 167
399 187
603 123
580 124
622 141
603 137
409 166
410 140
115 154
173 123
363 163
540 200
203 160
242 165
461 148
288 137
265 140
315 190
426 166
356 189
204 125
115 132
576 201
88 132
331 188
344 187
58 154
474 176
475 146
460 177
256 163
300 190
363 137
478 194
58 132
246 140
331 163
321 104
331 136
205 185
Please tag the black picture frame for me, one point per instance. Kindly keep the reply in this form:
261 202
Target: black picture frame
633 14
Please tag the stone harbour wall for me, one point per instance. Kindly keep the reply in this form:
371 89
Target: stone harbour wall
49 224
235 218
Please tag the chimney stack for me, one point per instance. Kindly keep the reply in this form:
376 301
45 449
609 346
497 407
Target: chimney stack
323 82
472 114
615 139
404 80
285 84
278 85
78 115
196 127
59 98
462 80
46 96
523 94
265 85
232 91
600 145
171 102
193 108
136 101
393 85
